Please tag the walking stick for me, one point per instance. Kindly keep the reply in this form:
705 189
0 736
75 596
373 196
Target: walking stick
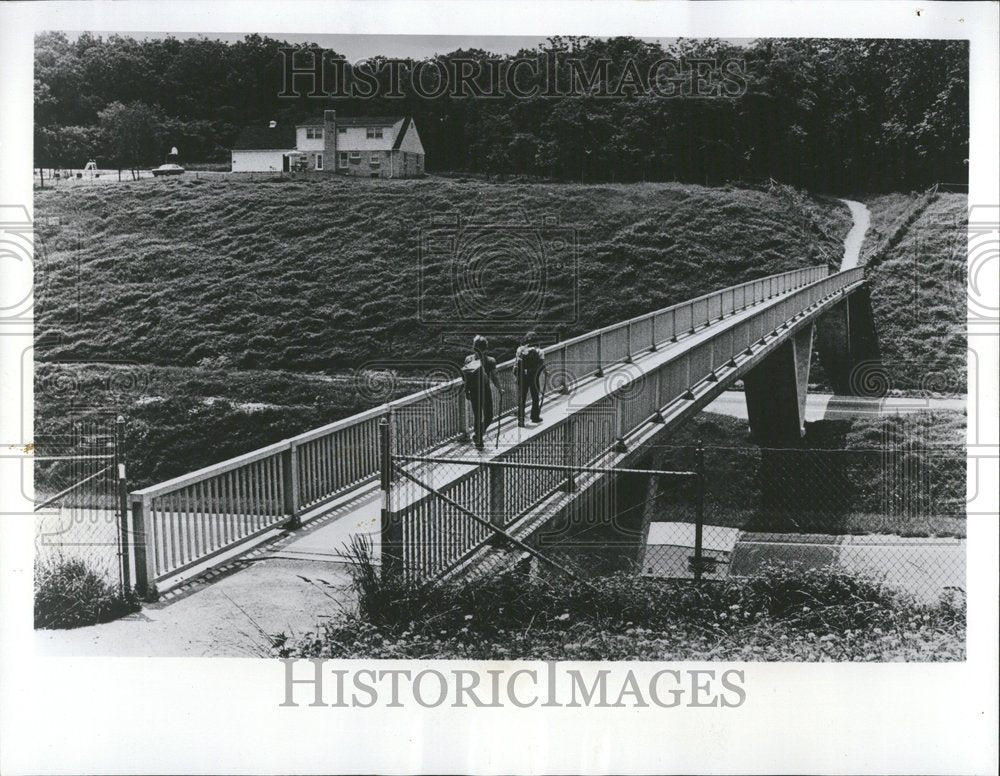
541 397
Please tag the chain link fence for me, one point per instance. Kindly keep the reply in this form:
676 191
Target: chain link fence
894 512
79 509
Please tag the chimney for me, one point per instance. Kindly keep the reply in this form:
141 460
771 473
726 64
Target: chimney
330 140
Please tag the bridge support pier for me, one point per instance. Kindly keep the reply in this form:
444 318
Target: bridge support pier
846 338
776 391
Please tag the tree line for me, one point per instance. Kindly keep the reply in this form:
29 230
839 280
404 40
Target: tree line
829 115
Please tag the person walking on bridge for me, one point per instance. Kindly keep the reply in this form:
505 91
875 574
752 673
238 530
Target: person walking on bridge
529 363
478 373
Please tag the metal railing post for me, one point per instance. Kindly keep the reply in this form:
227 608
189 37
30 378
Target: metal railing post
628 342
568 458
391 526
600 354
698 562
123 533
498 495
145 552
290 484
463 414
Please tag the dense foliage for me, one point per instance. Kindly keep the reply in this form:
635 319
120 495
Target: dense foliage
787 613
846 115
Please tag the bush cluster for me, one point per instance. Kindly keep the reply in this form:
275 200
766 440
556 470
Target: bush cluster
787 613
69 594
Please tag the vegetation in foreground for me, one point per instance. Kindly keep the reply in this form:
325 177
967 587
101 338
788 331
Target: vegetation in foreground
788 613
69 594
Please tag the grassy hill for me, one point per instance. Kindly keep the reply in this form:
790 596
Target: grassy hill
210 310
319 275
918 281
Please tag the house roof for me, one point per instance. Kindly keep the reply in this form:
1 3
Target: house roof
354 121
401 134
256 138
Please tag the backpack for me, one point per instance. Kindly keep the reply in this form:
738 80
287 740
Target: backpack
531 358
473 374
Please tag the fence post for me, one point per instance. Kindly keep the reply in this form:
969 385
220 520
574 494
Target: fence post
628 342
290 481
123 535
391 527
463 413
145 558
698 561
567 455
600 354
498 495
619 446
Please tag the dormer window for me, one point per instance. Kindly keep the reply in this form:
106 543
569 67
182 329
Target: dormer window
373 132
314 133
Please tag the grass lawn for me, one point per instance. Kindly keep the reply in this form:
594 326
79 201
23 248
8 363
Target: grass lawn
918 282
222 314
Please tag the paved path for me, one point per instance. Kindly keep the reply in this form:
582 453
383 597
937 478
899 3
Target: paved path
856 237
228 615
825 406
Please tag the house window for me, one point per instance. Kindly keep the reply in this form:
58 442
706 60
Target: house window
373 132
342 159
355 156
314 133
319 161
342 130
375 160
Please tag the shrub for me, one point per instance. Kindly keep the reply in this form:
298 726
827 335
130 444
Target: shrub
788 612
69 594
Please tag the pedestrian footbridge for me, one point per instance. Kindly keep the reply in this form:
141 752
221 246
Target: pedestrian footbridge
611 394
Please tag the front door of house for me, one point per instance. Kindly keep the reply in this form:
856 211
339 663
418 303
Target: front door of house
284 163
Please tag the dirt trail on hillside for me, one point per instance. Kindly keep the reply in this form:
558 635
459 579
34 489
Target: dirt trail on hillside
856 237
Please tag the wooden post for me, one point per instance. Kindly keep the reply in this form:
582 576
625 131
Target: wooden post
290 484
145 552
391 526
123 533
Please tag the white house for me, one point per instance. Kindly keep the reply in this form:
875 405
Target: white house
368 146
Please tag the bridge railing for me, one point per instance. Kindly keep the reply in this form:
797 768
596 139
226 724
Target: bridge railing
582 438
192 518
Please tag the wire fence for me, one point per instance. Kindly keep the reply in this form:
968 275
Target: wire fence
79 507
895 513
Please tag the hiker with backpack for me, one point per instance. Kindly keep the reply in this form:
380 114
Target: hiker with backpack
478 372
529 364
